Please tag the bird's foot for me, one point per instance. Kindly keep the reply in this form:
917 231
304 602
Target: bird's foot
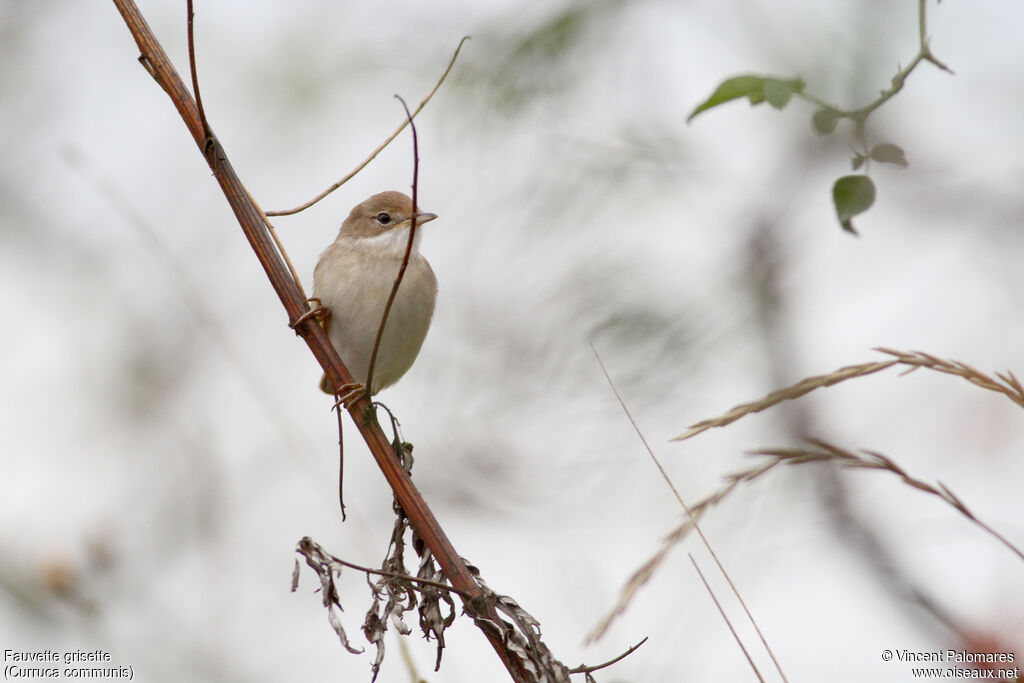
321 313
347 393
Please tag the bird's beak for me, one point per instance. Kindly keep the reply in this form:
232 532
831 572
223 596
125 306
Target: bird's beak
424 217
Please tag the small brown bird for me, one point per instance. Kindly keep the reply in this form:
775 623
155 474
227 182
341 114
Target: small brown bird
354 278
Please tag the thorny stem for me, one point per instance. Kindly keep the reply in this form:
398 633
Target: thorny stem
859 116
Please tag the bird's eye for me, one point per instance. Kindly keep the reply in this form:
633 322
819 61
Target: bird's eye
383 218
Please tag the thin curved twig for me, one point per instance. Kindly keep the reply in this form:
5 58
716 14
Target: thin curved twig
373 155
584 669
208 135
193 70
408 248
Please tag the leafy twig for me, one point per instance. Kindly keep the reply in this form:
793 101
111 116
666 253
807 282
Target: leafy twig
851 194
924 54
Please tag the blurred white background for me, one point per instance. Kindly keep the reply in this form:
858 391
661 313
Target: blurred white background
164 445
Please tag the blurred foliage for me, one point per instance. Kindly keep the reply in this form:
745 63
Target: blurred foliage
528 63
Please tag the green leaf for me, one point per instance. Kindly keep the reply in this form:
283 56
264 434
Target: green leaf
825 121
858 160
778 92
757 89
888 153
852 195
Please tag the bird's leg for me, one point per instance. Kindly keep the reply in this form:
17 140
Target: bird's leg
347 393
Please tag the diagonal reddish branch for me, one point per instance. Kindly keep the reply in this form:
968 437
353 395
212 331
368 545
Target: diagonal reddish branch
421 518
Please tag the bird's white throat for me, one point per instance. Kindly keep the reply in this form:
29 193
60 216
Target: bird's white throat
391 244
